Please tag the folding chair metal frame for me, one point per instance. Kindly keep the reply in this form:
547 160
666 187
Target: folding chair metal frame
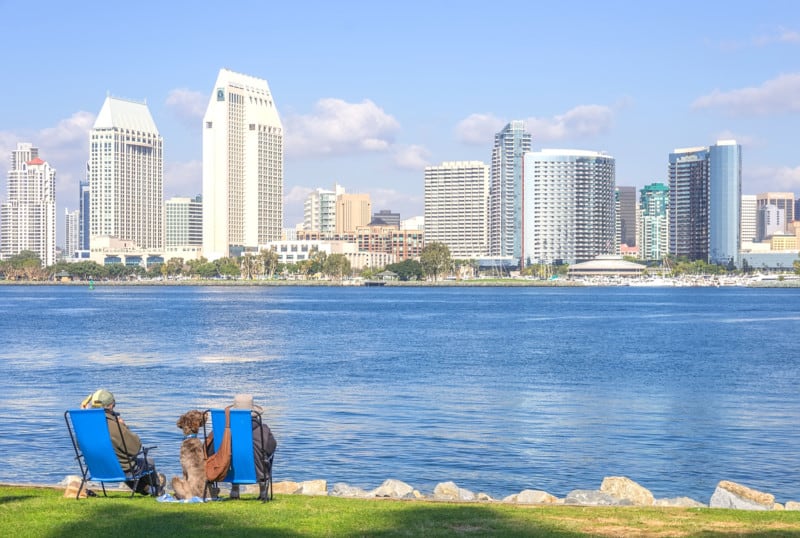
98 461
244 424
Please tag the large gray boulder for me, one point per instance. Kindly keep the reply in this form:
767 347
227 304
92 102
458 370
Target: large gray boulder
449 491
340 489
625 488
395 489
732 495
588 497
313 487
679 502
531 496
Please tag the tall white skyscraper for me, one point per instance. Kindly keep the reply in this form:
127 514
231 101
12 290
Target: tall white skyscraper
72 230
242 167
457 207
505 202
126 175
569 206
28 217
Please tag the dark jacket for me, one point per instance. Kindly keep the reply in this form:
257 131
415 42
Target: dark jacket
264 443
126 452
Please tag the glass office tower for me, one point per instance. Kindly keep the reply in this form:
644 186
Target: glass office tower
725 197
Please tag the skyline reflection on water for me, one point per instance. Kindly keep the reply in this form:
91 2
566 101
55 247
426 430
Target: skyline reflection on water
496 389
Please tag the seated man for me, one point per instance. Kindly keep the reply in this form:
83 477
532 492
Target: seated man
127 444
245 401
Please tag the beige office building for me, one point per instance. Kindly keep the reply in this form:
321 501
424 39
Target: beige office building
352 211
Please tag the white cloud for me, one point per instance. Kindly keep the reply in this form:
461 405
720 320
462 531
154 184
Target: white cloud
413 157
746 141
780 35
771 179
479 129
293 205
775 96
337 127
188 106
297 194
408 205
578 122
183 179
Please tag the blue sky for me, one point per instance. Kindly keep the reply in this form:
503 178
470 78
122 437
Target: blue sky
371 92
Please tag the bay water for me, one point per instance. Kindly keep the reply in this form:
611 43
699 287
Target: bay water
498 389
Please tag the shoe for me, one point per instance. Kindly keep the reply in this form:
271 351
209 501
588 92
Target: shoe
234 495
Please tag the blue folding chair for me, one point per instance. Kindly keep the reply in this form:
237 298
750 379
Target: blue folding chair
244 424
88 429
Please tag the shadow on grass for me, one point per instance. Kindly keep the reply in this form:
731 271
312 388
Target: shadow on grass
14 498
309 516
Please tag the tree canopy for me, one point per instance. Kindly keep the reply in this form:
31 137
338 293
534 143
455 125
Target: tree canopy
435 259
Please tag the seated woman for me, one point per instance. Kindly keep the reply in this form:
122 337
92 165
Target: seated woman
261 450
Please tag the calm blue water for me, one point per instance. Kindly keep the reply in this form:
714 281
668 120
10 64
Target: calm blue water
497 389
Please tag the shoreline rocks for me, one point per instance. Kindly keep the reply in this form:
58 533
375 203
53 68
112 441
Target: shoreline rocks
614 491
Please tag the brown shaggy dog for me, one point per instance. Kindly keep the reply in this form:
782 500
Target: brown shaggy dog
193 457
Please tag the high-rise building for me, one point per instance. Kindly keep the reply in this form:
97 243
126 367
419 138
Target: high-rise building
72 229
626 215
747 227
653 229
28 216
725 198
770 220
781 200
386 217
705 189
83 232
505 190
352 211
688 203
126 175
184 225
569 206
456 207
319 209
242 167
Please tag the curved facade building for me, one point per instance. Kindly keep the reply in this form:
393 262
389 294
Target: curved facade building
725 197
568 208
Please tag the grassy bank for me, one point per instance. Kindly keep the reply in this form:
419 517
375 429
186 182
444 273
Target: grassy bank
38 512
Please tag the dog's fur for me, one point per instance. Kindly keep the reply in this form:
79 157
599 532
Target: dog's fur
193 458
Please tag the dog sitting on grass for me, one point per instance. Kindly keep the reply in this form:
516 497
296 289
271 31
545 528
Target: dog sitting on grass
193 457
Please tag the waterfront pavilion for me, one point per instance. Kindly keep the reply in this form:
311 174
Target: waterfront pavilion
607 266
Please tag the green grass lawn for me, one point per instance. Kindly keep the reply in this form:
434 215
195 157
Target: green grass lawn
26 511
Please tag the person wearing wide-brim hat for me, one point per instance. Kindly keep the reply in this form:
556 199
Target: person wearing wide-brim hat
127 445
264 443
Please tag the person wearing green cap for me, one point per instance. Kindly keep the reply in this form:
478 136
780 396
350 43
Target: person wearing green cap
127 444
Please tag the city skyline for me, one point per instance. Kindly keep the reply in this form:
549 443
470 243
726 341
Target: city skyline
371 94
